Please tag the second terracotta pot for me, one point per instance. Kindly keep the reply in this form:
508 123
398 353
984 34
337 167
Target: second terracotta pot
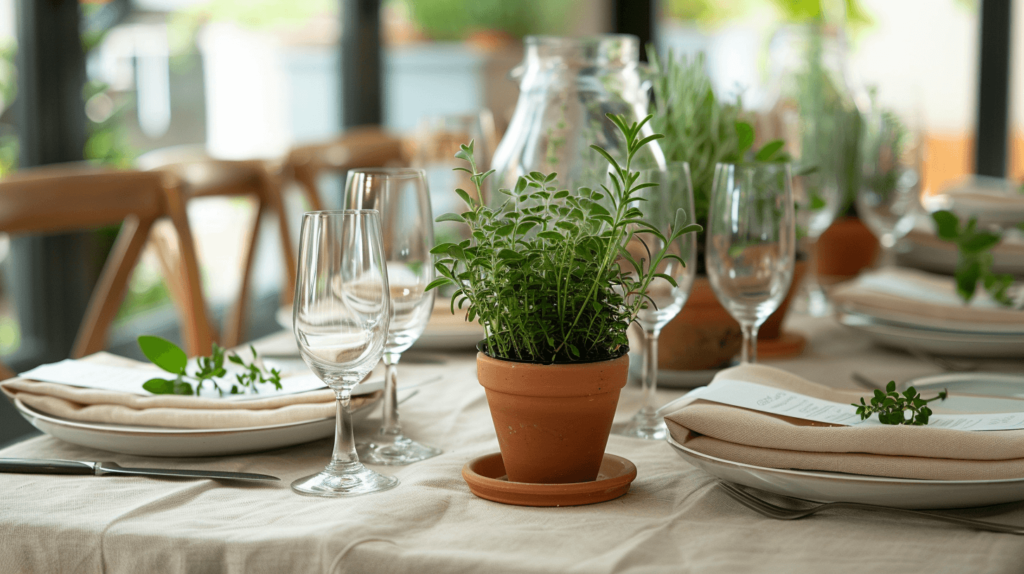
705 336
552 421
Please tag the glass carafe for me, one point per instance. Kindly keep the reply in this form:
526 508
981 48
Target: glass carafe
566 86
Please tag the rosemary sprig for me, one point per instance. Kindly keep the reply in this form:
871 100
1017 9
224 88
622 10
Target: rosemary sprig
892 407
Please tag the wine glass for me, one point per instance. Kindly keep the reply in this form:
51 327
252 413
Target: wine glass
341 315
403 199
890 182
818 201
751 241
673 192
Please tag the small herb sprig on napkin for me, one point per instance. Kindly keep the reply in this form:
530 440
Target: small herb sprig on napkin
172 359
892 407
974 260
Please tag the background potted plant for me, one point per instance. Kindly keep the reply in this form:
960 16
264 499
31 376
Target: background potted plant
547 275
702 129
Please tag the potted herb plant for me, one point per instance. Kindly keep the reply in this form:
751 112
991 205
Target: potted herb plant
703 130
543 273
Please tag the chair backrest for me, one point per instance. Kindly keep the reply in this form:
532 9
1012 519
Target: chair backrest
359 147
61 198
204 176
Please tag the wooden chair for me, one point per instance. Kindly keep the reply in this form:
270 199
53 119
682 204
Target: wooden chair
72 197
203 176
359 147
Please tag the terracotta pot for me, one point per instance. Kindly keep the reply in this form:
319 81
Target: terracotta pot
845 249
552 420
702 336
772 328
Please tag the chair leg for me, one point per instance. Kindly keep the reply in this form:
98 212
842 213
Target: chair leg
196 329
275 201
110 290
234 325
164 244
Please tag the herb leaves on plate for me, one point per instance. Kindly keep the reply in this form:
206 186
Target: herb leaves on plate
172 359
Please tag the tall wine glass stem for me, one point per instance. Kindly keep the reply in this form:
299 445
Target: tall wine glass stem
391 426
646 423
649 372
344 457
748 354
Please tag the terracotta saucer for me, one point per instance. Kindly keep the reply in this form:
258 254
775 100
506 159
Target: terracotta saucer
786 345
485 476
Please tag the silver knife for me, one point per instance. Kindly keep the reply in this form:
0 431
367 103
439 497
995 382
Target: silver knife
43 466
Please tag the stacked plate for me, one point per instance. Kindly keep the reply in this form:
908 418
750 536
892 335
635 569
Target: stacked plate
969 393
157 441
917 311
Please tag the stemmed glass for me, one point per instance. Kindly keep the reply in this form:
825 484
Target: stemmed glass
403 199
890 181
751 241
674 192
818 201
340 319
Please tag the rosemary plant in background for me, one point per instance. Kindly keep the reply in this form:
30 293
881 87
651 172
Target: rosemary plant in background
892 407
546 272
172 359
702 129
974 258
698 127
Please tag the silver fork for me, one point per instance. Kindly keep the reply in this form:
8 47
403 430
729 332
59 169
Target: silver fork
770 510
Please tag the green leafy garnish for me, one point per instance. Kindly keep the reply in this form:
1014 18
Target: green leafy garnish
172 359
974 259
547 272
892 407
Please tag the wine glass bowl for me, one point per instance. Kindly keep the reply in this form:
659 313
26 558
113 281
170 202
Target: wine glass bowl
890 182
818 201
750 243
341 315
403 198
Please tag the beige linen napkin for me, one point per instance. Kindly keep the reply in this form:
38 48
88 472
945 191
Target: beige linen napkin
772 441
170 411
922 298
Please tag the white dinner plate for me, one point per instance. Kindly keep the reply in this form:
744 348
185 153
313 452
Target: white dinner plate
836 487
940 342
973 392
156 441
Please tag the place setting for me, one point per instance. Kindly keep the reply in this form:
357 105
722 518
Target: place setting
560 287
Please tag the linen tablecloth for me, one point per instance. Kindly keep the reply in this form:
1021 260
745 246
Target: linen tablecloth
672 520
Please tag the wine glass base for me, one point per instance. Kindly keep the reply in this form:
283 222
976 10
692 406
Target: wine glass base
644 427
353 482
397 452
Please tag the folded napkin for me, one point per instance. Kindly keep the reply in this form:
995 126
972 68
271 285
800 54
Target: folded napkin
170 411
922 298
774 441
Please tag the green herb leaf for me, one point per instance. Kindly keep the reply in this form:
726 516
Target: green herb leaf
163 354
159 386
451 217
769 150
947 225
